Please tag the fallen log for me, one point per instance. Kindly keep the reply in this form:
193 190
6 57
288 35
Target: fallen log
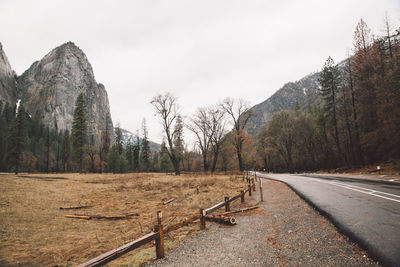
78 217
100 217
239 210
74 208
181 224
168 201
221 219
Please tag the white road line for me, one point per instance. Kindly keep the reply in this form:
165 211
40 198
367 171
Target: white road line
367 191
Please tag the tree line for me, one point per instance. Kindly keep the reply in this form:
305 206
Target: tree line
358 122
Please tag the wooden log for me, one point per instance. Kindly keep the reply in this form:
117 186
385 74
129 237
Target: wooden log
101 217
115 253
221 219
79 217
239 210
74 208
168 201
181 224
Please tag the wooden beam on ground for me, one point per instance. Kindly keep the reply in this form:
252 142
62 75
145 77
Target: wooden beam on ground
115 253
74 208
100 217
168 201
215 207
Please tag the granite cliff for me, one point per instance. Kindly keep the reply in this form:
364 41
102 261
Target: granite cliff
8 79
49 88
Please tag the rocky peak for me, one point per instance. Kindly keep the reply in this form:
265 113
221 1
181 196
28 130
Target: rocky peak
49 89
303 92
8 83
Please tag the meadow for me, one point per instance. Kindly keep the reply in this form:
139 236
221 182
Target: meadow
35 231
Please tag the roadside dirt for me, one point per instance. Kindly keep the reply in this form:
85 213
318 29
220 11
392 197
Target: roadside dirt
284 232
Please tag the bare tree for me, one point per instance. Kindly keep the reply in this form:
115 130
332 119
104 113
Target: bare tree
218 128
167 109
239 112
199 125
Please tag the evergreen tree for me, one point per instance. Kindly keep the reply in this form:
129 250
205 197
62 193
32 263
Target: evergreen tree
330 81
105 142
17 139
165 161
129 154
145 155
118 139
79 131
179 146
66 150
136 152
113 161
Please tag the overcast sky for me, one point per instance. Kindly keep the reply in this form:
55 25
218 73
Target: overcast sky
201 51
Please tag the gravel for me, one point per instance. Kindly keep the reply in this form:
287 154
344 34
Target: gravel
284 232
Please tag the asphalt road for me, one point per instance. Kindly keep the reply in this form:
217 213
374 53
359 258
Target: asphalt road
367 211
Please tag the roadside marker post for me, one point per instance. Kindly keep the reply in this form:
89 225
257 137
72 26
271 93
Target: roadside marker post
261 189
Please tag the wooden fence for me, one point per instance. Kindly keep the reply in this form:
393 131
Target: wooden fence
159 231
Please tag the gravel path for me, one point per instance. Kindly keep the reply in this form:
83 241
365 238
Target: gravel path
284 232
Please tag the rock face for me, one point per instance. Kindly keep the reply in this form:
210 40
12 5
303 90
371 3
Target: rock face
50 87
300 93
8 83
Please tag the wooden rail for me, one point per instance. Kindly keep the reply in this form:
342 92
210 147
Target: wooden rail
158 234
115 253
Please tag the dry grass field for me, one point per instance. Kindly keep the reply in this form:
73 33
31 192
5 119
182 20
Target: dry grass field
35 232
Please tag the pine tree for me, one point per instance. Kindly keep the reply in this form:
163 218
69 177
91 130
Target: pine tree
79 131
17 139
105 143
113 161
66 150
330 81
129 154
136 152
145 155
165 162
118 139
178 140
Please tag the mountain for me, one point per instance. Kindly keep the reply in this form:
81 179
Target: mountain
301 93
127 135
49 88
8 81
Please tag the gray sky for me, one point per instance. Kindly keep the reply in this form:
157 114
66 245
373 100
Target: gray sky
201 51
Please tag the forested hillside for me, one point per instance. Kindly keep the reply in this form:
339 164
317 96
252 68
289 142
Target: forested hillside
358 120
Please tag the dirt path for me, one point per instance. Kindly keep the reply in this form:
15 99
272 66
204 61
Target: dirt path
285 232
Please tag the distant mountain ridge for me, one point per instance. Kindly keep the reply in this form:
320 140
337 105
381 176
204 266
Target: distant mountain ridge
301 93
127 135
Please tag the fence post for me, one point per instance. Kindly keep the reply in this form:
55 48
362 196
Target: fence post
202 219
253 184
242 196
249 190
227 205
160 253
261 189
